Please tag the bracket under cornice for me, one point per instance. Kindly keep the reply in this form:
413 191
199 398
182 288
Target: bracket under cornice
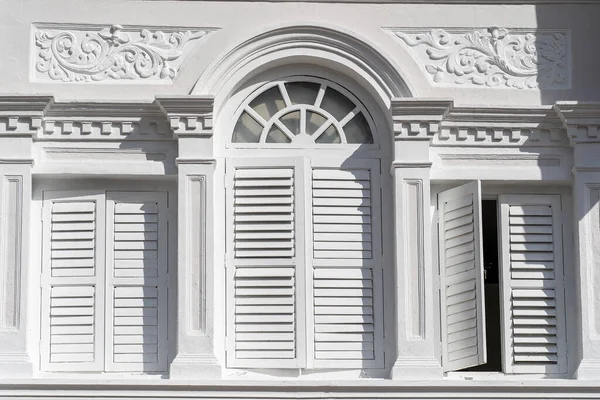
418 119
188 115
582 120
22 115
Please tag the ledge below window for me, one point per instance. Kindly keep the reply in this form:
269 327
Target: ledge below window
371 389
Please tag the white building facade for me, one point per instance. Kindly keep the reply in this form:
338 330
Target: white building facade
353 200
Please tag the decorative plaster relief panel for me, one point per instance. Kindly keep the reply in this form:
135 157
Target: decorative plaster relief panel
493 57
94 53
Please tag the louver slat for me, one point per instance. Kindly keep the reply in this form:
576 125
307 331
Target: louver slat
137 282
346 279
262 309
461 269
341 209
264 313
345 315
72 239
71 326
264 213
532 261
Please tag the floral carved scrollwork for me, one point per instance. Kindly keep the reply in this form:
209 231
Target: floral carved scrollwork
111 53
493 57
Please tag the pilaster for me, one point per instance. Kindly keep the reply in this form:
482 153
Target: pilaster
190 118
20 118
582 121
415 124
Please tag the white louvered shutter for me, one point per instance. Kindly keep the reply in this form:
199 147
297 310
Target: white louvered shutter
136 282
347 282
72 276
532 281
461 277
263 260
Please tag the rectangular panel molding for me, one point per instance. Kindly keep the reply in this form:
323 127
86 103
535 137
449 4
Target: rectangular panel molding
196 197
12 202
414 258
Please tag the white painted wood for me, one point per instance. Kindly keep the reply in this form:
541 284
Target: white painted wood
265 264
532 284
461 277
72 335
104 296
345 301
136 281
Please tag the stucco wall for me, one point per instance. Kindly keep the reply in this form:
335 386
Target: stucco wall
239 21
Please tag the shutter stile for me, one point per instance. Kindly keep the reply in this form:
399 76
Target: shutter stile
532 262
461 269
264 318
347 277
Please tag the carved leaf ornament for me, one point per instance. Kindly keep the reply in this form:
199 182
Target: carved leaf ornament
493 57
110 53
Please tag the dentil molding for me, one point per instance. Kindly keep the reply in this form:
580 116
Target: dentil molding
493 57
104 122
439 121
94 53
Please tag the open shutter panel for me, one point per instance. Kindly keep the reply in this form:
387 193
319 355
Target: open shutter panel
262 310
347 270
461 272
72 336
532 274
136 326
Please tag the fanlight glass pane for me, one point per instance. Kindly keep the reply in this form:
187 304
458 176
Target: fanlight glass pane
357 130
268 103
330 135
336 104
247 130
275 135
292 121
302 92
313 122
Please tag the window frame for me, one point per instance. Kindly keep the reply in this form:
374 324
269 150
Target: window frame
305 262
230 144
100 186
494 191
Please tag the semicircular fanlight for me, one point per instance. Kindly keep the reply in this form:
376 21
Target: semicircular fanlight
302 112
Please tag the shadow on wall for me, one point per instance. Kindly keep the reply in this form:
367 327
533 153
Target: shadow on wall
580 23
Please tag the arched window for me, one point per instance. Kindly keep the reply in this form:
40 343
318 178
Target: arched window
304 252
303 112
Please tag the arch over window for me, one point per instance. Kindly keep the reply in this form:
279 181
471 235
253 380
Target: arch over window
303 112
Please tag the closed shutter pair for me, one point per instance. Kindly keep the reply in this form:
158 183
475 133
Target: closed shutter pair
304 265
104 281
532 294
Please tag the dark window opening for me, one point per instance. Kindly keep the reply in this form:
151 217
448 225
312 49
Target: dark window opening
491 288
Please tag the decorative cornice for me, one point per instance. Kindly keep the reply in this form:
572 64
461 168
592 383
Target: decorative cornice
493 57
22 115
418 119
188 115
476 126
582 120
104 121
94 53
